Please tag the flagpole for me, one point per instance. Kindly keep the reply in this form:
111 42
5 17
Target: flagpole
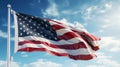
8 41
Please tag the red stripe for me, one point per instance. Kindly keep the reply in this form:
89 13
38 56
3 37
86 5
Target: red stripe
54 21
75 57
93 38
88 38
66 46
57 27
68 36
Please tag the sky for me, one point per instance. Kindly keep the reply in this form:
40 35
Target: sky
99 17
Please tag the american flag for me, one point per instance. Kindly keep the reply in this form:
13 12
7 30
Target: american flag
36 34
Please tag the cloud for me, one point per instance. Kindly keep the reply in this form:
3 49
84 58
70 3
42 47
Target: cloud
104 17
42 63
24 54
39 63
110 43
13 64
75 25
90 12
71 12
108 5
3 34
104 61
12 26
52 9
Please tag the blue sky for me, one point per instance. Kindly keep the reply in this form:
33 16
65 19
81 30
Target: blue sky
99 17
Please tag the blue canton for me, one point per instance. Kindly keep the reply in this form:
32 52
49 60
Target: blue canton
33 26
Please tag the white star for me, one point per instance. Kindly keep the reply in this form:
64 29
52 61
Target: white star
49 37
34 29
21 34
37 27
55 38
22 16
38 33
38 24
41 22
23 30
42 28
32 17
28 33
24 26
45 35
30 20
20 23
27 29
34 24
42 36
19 19
46 25
49 31
20 28
23 21
18 14
35 34
31 27
52 34
41 32
27 24
45 20
25 18
31 32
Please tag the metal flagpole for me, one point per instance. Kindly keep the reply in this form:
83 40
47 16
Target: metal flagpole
8 41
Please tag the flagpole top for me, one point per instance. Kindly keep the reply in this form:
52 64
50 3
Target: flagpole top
9 6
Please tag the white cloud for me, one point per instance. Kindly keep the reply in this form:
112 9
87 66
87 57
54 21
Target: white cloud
39 63
96 11
74 65
108 63
52 9
24 54
105 16
3 34
70 12
104 61
75 25
66 12
108 5
42 63
13 64
110 43
12 26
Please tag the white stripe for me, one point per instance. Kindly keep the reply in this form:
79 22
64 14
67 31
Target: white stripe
63 31
81 51
66 29
61 24
95 43
52 23
61 42
72 27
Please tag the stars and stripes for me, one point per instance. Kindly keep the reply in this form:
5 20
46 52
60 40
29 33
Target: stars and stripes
36 34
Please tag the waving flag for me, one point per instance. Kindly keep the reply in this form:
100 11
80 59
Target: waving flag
57 38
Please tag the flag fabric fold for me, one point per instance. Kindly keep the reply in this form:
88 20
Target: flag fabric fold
57 38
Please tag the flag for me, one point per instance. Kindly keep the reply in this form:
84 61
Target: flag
37 34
